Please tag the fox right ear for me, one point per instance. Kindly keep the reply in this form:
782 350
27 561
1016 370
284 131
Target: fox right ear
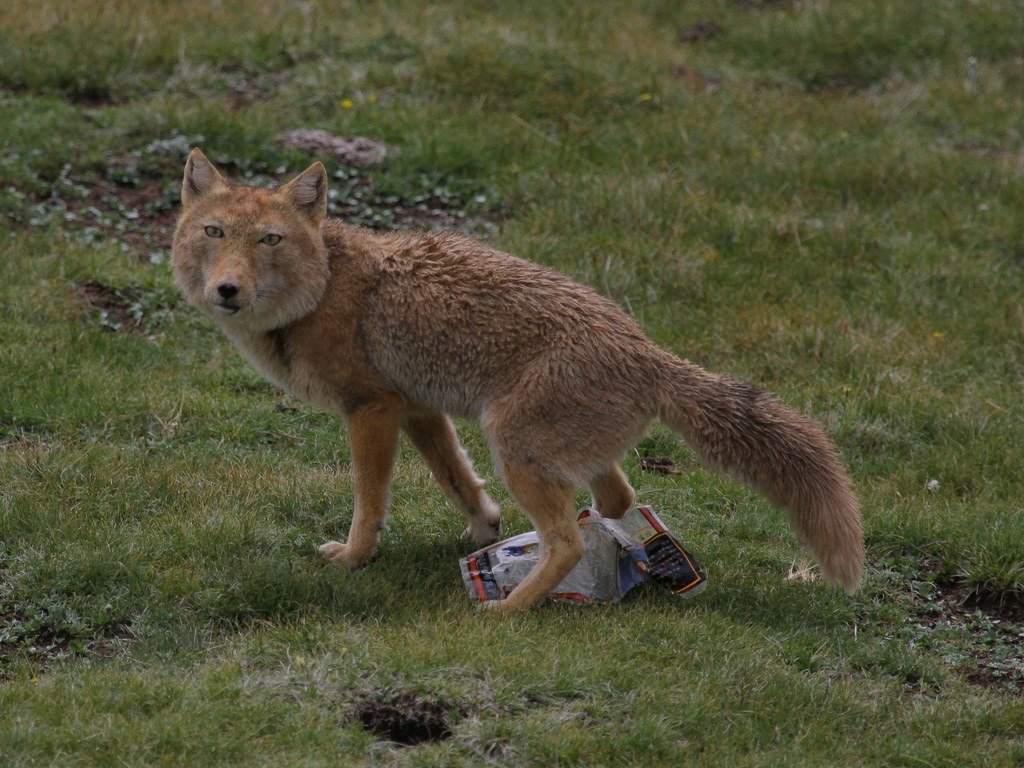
307 192
201 178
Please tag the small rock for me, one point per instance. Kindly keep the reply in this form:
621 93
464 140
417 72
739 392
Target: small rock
358 150
702 30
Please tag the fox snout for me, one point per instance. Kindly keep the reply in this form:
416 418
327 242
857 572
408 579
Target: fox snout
227 292
227 298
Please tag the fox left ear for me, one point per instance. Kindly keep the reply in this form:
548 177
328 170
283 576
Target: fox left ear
201 178
307 192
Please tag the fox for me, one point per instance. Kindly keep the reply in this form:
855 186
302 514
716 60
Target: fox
400 332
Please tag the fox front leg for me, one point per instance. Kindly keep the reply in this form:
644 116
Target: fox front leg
373 437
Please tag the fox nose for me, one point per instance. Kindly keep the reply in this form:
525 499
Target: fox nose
227 290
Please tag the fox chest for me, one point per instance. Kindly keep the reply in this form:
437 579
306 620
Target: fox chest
324 372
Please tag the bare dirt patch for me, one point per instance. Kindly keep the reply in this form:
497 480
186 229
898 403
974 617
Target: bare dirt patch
758 5
44 634
131 308
699 32
662 465
233 83
15 430
133 199
404 718
141 216
134 207
423 203
698 82
995 649
838 82
982 638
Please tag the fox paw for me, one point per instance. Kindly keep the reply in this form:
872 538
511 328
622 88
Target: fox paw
485 525
492 606
507 605
341 554
483 534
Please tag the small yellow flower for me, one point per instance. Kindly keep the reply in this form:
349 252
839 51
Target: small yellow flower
347 103
938 335
372 98
645 96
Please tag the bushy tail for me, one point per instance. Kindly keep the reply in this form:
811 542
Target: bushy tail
744 431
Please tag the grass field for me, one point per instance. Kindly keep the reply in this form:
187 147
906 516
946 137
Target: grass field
826 198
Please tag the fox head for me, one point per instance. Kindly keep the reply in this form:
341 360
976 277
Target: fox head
250 257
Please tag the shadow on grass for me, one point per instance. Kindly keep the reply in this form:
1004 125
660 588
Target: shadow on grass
784 606
191 597
398 581
109 603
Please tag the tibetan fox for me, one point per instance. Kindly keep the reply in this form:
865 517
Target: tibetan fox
397 331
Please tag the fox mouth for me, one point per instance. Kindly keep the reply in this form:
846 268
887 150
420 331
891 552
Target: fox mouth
226 308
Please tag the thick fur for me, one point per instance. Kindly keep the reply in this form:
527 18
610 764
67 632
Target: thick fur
394 331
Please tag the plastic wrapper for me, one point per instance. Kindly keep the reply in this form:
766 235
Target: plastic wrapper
618 555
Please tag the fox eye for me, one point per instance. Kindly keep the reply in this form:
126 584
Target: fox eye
271 239
212 231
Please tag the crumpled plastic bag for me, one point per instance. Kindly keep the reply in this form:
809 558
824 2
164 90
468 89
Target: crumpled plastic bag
618 555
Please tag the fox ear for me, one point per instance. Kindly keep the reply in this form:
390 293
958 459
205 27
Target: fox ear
307 192
201 178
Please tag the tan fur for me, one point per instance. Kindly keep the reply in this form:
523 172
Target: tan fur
394 331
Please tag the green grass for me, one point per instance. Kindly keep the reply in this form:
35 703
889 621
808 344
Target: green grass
824 198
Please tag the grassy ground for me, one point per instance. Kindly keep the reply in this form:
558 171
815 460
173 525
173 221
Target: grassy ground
822 197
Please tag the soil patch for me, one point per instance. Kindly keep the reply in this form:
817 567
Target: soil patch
140 211
136 203
134 198
45 634
992 646
760 4
839 83
997 626
999 606
698 82
135 209
662 465
404 718
425 203
131 308
13 430
702 30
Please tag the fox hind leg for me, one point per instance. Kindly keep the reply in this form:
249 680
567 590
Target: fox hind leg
550 506
612 493
434 437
